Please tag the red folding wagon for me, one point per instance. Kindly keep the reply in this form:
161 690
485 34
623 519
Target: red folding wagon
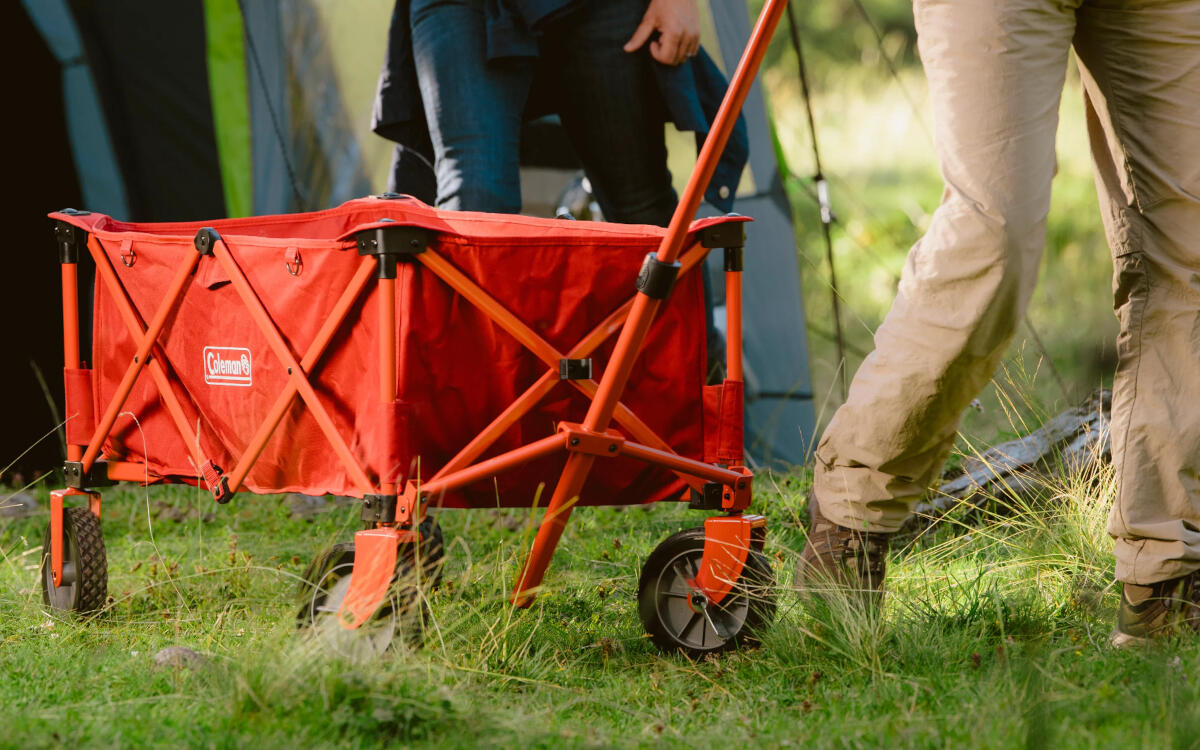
415 358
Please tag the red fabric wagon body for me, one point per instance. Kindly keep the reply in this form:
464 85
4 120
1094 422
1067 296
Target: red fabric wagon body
457 368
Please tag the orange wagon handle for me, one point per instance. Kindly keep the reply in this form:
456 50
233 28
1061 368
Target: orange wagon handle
653 282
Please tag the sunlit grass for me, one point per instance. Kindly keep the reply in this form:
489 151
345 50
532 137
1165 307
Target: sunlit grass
993 634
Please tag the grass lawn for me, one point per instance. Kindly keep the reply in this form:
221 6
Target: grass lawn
994 635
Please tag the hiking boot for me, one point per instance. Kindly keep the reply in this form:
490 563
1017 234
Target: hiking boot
1158 610
838 558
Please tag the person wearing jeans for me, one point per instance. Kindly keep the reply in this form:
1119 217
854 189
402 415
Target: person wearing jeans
996 70
475 98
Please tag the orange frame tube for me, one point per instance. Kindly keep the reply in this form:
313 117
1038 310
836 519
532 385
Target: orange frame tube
733 325
387 359
493 466
70 305
644 308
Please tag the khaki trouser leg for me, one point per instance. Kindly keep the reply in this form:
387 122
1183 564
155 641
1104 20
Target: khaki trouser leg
996 71
1141 72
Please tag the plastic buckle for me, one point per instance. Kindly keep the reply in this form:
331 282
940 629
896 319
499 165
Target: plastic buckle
217 482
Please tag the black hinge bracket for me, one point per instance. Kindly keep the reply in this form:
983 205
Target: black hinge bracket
390 244
379 508
97 476
205 239
575 369
734 258
726 234
68 237
707 499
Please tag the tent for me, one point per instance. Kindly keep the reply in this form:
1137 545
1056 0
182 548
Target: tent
154 111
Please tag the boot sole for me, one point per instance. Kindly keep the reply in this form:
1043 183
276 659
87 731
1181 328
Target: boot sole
1125 640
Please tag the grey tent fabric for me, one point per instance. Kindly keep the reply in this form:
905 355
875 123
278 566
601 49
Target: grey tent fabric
306 155
325 151
91 146
266 78
780 420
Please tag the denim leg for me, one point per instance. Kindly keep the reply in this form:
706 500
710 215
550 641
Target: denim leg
473 107
612 109
412 174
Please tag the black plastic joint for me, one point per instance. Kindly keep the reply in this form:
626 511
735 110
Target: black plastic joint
397 240
390 244
734 258
97 476
205 240
575 369
379 508
68 238
656 279
726 234
709 498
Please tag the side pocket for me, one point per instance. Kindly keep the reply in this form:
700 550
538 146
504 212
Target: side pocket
1131 290
1131 293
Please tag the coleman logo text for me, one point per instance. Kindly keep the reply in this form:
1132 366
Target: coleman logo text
224 365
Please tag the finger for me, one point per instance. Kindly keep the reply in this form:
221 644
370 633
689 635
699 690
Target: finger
667 49
643 32
693 46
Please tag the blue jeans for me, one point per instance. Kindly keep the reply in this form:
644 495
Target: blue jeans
608 101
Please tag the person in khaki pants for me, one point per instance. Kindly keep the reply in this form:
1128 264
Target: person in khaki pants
996 71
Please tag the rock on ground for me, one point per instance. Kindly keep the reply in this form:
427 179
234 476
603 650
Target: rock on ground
18 505
178 657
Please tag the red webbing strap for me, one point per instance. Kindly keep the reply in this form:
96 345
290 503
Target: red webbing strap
724 430
386 437
729 446
81 409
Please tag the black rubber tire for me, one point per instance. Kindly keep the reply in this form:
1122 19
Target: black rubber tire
748 608
83 550
406 600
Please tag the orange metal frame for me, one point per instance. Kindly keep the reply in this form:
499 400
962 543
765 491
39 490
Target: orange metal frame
584 443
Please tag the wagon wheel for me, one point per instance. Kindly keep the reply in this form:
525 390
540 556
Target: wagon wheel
402 614
84 586
671 611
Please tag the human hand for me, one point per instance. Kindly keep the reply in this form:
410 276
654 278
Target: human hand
678 25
